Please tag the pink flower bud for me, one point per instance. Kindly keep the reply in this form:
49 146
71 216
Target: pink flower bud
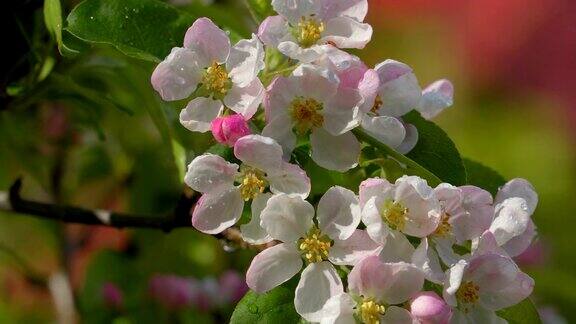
429 308
228 129
112 295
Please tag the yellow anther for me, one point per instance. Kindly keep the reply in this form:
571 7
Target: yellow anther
394 214
308 31
468 293
252 183
315 246
370 311
216 80
444 228
306 114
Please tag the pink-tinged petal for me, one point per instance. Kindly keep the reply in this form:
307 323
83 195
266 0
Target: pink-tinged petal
339 309
217 210
209 172
452 282
228 129
208 41
435 98
410 140
290 178
450 197
423 215
280 129
278 97
476 216
399 89
253 232
372 187
341 113
426 259
428 308
486 244
444 248
368 88
491 272
318 283
477 315
420 185
520 289
294 10
347 32
199 114
260 152
519 188
273 30
272 267
316 82
341 157
375 226
246 60
388 130
303 55
397 315
177 76
397 248
287 217
354 249
512 218
338 213
518 244
246 100
356 9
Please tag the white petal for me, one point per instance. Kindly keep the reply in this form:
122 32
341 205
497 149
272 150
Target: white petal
346 32
371 188
303 55
397 315
293 10
217 210
246 60
208 41
287 217
245 100
252 232
426 259
519 188
272 267
316 82
518 244
452 282
375 227
279 96
339 309
423 213
397 248
520 289
491 272
476 213
512 218
280 129
208 172
290 178
273 30
177 76
341 113
341 157
354 249
435 98
259 151
199 114
410 140
399 89
338 213
318 283
356 9
387 130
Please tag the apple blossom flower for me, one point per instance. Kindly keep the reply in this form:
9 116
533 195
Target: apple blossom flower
309 101
226 186
485 283
228 129
429 308
333 239
220 75
374 291
513 227
435 98
304 29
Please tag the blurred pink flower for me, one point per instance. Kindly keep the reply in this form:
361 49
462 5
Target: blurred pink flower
232 286
112 295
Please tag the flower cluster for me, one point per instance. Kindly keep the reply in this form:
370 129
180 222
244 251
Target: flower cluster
390 252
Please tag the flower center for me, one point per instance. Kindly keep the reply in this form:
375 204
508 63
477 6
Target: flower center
216 80
308 31
467 293
305 113
377 104
394 214
315 246
370 311
252 182
444 228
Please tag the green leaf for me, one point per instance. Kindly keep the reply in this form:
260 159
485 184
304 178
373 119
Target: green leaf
53 19
144 29
260 9
275 306
435 151
483 176
522 313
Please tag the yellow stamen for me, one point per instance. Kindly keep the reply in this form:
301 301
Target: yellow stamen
305 113
216 80
370 311
394 214
308 31
467 293
444 228
252 183
315 246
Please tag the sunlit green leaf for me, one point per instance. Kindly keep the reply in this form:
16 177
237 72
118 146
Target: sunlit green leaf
522 313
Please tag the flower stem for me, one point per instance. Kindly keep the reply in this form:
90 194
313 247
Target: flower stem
410 164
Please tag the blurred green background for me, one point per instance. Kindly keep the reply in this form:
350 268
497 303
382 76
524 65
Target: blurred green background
83 136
